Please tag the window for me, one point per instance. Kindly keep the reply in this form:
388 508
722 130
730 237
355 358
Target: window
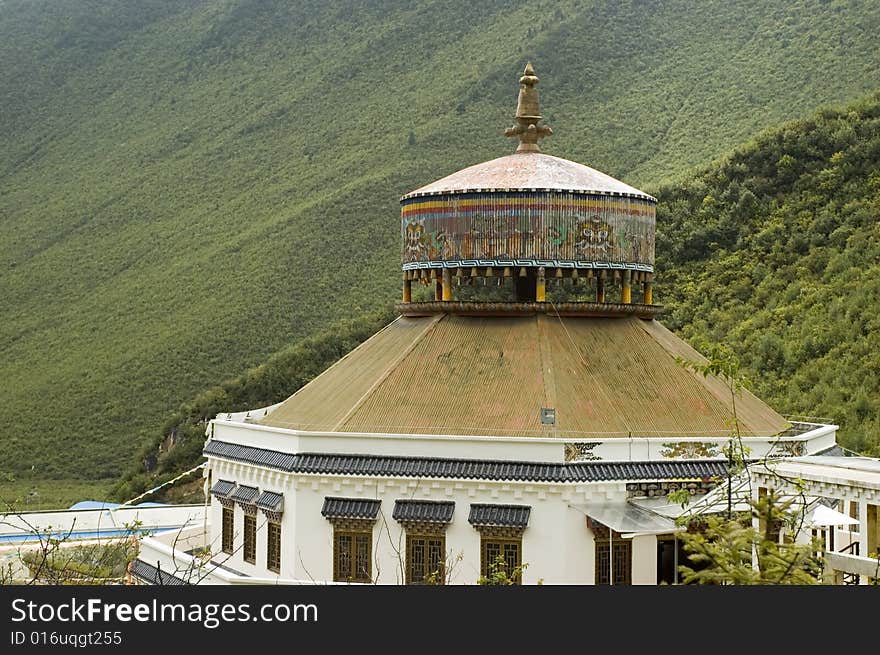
250 539
352 556
425 560
227 529
621 563
854 513
671 552
273 547
510 549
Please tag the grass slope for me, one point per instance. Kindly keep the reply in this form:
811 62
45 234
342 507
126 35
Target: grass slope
187 187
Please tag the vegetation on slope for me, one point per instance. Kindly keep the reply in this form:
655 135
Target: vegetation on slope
187 187
775 251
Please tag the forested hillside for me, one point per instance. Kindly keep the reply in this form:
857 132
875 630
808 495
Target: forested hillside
775 252
188 186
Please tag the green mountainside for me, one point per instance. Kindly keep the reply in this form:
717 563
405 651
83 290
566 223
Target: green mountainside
775 252
188 186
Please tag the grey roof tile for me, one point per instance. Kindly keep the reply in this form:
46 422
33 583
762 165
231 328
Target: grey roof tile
153 575
377 465
423 511
269 500
245 494
222 488
350 508
508 516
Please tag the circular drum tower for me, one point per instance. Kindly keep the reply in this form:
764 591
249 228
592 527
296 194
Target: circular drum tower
530 216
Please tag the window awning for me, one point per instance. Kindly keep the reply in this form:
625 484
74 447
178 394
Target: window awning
222 488
270 501
423 511
350 508
503 516
244 494
628 519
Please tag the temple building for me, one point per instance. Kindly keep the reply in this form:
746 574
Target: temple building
525 414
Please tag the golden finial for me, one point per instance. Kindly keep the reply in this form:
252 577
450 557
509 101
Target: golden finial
528 114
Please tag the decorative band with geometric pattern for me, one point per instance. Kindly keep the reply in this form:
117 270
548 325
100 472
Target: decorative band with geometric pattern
555 226
527 263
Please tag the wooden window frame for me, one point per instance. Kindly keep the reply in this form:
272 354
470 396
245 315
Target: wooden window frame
487 540
357 537
412 548
273 546
227 529
249 552
617 545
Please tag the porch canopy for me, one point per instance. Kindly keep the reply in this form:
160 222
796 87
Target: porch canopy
628 519
825 516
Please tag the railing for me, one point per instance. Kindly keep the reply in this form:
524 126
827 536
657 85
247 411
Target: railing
850 579
852 549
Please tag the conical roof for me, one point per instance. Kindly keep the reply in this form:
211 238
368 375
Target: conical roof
529 171
490 376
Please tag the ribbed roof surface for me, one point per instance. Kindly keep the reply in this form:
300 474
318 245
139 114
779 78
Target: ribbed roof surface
269 500
154 576
222 488
245 494
350 508
528 171
508 516
431 467
423 511
471 375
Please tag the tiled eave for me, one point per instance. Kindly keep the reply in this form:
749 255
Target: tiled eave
427 467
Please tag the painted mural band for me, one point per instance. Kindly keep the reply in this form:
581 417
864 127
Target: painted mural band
551 225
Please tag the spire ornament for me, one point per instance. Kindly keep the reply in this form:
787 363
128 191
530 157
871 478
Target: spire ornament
528 114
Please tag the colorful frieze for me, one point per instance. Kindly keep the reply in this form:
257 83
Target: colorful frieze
581 452
788 449
558 226
690 450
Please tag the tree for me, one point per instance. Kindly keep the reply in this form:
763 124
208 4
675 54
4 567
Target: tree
51 556
725 547
498 574
729 549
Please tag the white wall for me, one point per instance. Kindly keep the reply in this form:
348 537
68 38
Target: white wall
557 545
493 448
477 447
644 559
